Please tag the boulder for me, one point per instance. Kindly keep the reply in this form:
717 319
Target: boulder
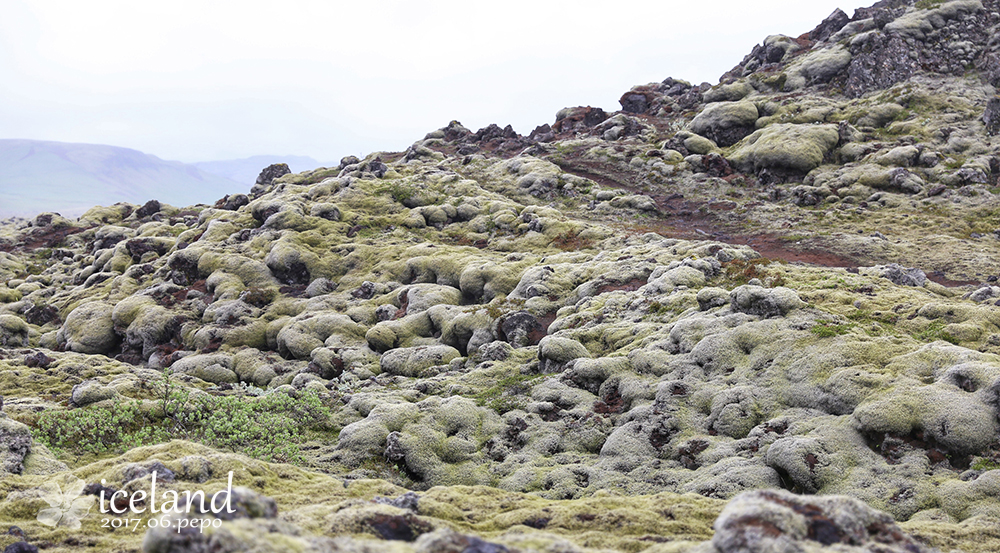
768 521
15 444
90 329
415 360
785 148
13 332
764 302
726 123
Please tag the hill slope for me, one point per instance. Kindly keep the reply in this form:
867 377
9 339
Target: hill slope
245 170
70 178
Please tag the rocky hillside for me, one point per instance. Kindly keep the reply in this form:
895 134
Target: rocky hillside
755 316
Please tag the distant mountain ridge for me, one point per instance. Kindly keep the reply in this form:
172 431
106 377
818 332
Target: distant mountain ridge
70 178
245 170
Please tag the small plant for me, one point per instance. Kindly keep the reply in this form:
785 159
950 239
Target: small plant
172 400
936 331
828 329
508 393
984 464
399 192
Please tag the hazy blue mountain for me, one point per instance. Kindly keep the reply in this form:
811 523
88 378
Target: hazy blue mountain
245 170
37 176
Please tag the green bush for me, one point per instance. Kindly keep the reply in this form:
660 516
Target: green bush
269 427
98 430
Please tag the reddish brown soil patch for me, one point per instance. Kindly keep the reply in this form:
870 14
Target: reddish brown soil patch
630 286
43 237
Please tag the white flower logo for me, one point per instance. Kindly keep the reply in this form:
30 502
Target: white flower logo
67 507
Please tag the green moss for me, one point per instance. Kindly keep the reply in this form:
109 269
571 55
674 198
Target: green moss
509 393
936 331
984 464
826 329
928 4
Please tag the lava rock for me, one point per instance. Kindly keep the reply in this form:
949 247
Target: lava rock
774 520
272 172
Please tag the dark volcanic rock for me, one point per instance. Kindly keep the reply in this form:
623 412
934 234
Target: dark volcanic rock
882 62
151 207
772 520
579 118
833 23
991 117
272 172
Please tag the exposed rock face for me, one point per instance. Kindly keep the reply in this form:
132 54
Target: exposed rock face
833 23
15 444
991 117
782 283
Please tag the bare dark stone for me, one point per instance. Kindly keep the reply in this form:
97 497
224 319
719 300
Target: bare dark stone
690 99
38 359
408 501
295 273
376 167
134 472
493 132
833 23
394 448
579 118
43 220
232 202
989 66
536 523
882 18
398 527
882 62
520 329
634 103
716 165
138 247
773 53
20 547
19 445
364 292
272 172
991 117
455 131
41 315
731 135
150 207
542 133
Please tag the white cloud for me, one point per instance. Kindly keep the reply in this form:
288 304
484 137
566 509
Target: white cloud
205 80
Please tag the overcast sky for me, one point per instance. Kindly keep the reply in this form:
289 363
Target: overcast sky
206 80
